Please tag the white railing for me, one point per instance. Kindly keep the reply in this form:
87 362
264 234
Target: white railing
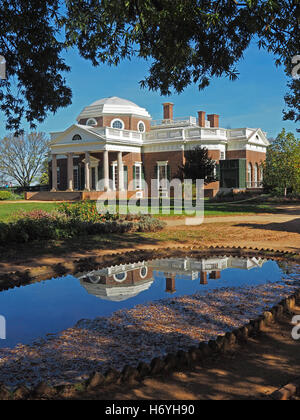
255 184
176 121
123 134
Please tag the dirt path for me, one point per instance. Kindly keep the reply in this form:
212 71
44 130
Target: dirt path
280 231
255 371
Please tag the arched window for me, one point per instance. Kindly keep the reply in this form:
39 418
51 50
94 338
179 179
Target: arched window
91 122
77 137
120 277
249 175
117 124
141 127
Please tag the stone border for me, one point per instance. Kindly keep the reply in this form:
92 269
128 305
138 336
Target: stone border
169 363
287 392
83 265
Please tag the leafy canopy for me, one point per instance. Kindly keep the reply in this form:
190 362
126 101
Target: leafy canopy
282 166
198 165
184 42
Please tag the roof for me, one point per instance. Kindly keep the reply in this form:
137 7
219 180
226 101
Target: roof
113 105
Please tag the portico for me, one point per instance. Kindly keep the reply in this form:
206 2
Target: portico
96 176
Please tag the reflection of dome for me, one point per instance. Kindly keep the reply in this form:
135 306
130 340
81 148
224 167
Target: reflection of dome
113 106
116 293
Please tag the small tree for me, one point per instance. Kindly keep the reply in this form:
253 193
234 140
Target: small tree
21 158
282 166
198 165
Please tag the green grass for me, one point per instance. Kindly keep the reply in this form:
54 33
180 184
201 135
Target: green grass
8 209
211 209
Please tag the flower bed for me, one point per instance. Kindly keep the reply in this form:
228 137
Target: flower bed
69 221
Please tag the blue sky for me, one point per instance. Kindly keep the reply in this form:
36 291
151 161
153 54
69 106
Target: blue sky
256 99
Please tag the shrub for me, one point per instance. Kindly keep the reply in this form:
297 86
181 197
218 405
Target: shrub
6 195
41 225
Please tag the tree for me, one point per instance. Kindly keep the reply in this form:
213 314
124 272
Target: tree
198 165
31 43
22 157
44 171
282 166
184 42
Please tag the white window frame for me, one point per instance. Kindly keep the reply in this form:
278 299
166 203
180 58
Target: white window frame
159 165
138 127
117 120
138 182
115 173
91 120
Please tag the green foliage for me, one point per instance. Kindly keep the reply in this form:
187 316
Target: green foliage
6 195
198 165
69 223
185 41
282 166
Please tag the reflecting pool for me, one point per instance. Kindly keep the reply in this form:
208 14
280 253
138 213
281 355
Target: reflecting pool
46 308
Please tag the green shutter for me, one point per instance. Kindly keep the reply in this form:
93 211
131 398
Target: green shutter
169 173
126 177
242 173
218 172
143 177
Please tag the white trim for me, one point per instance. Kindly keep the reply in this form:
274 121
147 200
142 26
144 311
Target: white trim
90 120
138 127
117 120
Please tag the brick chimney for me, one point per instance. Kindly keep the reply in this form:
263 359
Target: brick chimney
214 120
201 119
168 111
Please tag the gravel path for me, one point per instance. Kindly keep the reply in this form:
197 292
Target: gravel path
139 334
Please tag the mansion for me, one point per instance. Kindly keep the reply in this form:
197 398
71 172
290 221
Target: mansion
116 146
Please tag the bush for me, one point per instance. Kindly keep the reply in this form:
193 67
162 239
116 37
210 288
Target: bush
41 225
6 195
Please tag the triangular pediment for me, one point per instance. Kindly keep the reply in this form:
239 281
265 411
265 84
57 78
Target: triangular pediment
68 136
258 137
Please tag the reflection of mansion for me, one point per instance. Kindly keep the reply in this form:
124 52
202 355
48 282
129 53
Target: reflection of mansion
115 145
122 282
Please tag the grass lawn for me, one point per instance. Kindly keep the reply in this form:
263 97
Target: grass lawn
8 209
211 209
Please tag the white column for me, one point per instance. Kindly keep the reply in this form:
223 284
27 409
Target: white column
87 172
54 173
70 172
120 172
106 170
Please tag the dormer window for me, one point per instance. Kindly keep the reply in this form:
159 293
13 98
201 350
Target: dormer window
141 127
77 137
117 124
91 122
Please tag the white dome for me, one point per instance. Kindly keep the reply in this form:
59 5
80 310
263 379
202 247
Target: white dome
113 106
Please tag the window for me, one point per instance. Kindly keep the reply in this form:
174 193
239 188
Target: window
76 178
143 272
91 122
138 176
120 277
223 156
117 124
141 127
162 175
77 137
58 176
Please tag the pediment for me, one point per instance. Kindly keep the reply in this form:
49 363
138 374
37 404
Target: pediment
66 137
